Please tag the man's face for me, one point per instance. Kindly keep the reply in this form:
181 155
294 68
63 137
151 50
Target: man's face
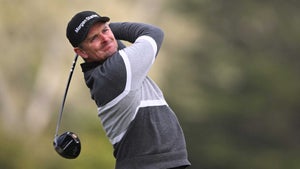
99 44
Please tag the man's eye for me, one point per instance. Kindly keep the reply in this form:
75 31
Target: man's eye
94 38
105 30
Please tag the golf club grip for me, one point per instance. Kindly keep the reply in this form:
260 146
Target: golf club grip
65 95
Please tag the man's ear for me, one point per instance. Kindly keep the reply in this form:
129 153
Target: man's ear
81 52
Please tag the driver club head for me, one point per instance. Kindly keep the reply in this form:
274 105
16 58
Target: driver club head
67 145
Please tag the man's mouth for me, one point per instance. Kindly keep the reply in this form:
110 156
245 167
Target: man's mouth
106 46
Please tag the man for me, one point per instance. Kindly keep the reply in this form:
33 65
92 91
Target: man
142 128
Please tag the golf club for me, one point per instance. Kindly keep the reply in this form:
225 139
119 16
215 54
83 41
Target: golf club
67 144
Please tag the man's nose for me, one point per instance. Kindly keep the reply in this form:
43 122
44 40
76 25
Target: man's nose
103 37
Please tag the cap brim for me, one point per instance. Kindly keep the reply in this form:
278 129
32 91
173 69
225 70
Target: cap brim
102 19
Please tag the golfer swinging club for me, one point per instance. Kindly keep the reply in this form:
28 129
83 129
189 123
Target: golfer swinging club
142 128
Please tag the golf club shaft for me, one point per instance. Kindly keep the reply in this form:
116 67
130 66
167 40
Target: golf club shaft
65 95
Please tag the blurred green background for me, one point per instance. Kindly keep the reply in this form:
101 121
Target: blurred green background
228 68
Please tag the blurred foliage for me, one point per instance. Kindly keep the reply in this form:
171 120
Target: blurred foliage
237 85
229 69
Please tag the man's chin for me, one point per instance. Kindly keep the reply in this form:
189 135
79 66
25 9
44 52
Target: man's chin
112 51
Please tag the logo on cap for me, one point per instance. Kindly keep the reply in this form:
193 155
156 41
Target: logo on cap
81 25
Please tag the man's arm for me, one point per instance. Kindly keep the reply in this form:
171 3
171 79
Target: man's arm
131 31
138 58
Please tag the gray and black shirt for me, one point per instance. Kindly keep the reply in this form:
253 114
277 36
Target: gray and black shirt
139 123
